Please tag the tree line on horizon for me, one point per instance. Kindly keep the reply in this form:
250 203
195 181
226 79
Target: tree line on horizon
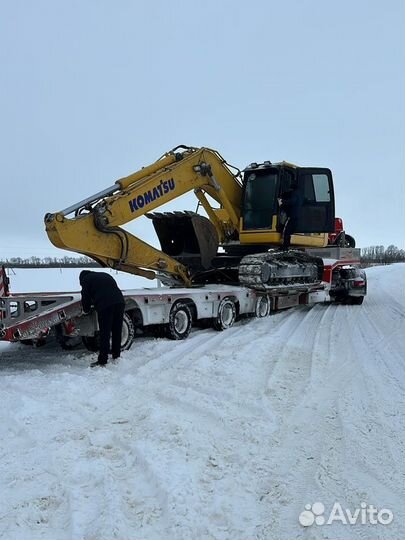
369 255
382 255
49 262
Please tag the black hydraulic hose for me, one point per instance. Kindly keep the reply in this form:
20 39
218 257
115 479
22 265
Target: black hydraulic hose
122 235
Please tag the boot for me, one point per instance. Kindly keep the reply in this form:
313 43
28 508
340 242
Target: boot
99 363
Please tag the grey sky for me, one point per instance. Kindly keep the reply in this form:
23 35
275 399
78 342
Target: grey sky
91 90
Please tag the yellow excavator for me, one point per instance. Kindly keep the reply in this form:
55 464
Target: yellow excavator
239 240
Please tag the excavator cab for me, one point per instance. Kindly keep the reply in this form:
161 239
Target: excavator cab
266 185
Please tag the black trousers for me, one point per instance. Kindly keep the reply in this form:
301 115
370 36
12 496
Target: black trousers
110 325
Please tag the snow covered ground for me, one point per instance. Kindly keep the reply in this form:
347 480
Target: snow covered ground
66 279
223 436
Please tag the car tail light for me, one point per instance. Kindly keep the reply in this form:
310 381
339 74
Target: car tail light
359 283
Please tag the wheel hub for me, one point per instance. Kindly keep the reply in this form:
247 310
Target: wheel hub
180 322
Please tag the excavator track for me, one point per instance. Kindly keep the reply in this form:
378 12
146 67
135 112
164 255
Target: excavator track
291 270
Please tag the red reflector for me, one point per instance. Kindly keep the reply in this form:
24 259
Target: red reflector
359 283
69 327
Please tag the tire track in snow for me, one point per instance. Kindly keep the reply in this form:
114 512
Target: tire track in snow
293 343
308 427
331 427
375 378
166 355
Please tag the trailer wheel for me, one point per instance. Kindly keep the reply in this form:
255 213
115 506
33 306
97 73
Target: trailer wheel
355 300
262 308
128 332
180 321
92 343
39 342
69 343
226 315
27 342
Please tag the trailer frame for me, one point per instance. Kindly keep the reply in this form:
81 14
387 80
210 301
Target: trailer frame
171 311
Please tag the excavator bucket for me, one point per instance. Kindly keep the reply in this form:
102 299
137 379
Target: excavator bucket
186 236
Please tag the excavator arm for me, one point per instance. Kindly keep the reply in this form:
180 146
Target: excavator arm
93 226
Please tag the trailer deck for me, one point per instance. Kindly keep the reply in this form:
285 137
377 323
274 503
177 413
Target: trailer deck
32 316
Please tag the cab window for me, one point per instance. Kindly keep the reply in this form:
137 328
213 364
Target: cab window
259 200
321 187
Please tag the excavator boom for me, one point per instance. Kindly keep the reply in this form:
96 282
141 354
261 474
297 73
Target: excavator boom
94 228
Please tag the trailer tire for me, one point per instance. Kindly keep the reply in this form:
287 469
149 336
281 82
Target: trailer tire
92 343
128 332
27 342
226 315
355 300
40 342
69 343
180 321
263 306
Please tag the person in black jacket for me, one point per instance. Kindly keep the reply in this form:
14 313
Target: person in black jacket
100 290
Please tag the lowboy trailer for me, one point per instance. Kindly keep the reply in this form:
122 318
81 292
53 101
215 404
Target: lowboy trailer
31 318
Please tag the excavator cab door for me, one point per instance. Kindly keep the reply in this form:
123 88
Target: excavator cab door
315 211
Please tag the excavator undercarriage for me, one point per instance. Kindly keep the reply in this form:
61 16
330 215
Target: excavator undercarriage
192 240
280 270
